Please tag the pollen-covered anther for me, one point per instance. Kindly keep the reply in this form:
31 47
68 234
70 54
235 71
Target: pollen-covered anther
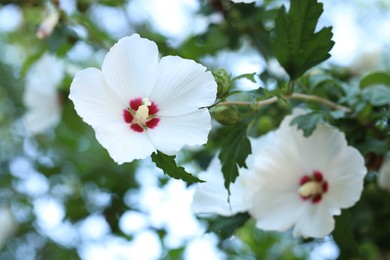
310 188
141 115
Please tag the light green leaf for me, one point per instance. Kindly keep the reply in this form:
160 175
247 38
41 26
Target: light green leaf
249 76
168 165
378 95
295 43
308 122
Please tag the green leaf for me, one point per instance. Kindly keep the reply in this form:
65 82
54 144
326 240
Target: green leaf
234 151
375 78
344 237
295 44
308 122
378 95
249 76
374 145
225 227
168 165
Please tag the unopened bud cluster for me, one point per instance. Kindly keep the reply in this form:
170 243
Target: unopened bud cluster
226 115
222 77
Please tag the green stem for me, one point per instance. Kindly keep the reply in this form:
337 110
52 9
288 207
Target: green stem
290 87
298 96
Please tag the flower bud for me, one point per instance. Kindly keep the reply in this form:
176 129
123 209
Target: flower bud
222 77
265 124
226 115
48 24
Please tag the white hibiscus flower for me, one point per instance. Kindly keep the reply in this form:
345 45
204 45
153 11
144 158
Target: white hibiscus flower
212 196
41 96
138 104
384 175
303 182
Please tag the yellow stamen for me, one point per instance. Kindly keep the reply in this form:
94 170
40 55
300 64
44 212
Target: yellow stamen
142 113
310 188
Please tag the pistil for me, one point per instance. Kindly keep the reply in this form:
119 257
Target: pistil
142 113
310 188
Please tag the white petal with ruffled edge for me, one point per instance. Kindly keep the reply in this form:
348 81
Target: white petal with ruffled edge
328 142
130 67
277 169
315 221
172 133
123 144
346 178
182 86
94 100
276 210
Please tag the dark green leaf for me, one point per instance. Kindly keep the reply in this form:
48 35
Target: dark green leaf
378 95
296 46
234 152
375 79
374 145
225 227
168 165
344 237
308 122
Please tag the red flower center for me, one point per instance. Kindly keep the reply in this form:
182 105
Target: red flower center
313 187
141 114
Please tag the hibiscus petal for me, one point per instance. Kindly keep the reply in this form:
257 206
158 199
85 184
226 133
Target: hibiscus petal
328 143
124 144
129 67
345 179
315 221
182 86
276 210
40 118
277 169
172 133
93 100
45 74
212 196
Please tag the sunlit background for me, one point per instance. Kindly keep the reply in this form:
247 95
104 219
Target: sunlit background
155 211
